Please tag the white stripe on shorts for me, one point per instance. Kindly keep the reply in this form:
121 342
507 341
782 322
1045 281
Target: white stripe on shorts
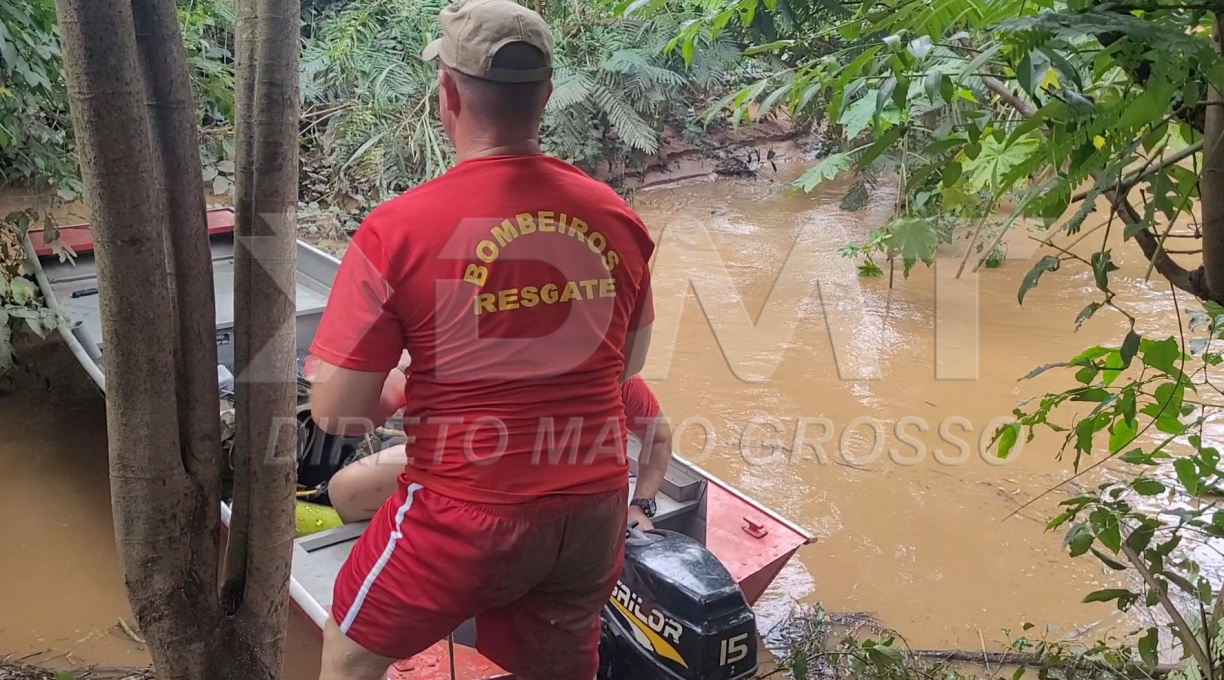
383 559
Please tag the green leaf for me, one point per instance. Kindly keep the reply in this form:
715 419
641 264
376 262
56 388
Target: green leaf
1150 106
1101 267
1105 524
1137 457
1049 263
1169 396
829 168
1121 434
1108 561
1160 354
1170 425
884 656
1084 432
1130 346
1086 313
799 664
1148 645
931 83
858 115
1114 365
1140 538
951 174
914 238
1109 595
1007 438
1092 394
22 290
1079 539
885 93
1031 71
880 146
1187 474
1147 487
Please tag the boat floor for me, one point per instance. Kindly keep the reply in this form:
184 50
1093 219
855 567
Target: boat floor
75 286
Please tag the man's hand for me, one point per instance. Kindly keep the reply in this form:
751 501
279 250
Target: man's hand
643 522
394 393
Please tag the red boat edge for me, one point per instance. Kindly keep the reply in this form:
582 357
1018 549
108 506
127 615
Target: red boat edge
79 238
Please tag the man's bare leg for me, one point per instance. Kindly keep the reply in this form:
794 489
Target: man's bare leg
344 659
360 489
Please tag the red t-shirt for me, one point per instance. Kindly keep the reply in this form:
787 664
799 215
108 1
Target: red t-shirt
512 282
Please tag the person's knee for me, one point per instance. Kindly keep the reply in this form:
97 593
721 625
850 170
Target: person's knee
344 659
346 498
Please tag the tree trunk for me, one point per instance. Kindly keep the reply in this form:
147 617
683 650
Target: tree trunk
256 586
172 116
246 42
1211 184
152 494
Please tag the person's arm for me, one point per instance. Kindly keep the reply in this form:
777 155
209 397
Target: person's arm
637 344
355 402
637 338
646 420
652 467
358 343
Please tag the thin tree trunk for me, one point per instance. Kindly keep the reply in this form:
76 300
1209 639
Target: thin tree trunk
172 116
149 488
257 580
246 43
1211 184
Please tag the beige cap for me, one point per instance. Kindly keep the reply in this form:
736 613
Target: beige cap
474 30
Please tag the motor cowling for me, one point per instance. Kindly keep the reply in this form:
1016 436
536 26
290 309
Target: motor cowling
675 613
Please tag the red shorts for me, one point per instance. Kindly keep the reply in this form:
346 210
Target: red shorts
534 576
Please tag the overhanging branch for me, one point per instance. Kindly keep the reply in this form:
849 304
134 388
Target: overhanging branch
994 85
1181 278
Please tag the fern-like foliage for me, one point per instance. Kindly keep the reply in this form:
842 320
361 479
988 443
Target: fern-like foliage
369 98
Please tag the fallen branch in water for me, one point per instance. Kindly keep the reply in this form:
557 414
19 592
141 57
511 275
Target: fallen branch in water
17 670
1011 659
129 632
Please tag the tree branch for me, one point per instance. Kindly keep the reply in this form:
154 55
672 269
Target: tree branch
1181 278
1180 627
994 85
1131 181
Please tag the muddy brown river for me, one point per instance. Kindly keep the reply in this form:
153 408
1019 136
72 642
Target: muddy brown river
857 410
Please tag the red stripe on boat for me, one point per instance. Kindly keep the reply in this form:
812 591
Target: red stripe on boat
79 238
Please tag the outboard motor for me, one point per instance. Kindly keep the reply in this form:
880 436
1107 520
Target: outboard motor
675 614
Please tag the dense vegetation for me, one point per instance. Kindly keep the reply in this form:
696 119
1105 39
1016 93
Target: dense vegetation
367 128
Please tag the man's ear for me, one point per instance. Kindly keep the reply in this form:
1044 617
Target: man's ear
450 91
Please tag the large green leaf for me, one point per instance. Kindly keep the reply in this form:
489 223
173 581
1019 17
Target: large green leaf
829 168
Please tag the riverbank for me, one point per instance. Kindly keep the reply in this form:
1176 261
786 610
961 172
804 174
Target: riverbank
724 151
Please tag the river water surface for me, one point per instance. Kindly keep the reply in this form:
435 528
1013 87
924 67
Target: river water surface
764 337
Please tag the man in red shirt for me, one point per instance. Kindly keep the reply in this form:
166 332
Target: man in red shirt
359 490
520 288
